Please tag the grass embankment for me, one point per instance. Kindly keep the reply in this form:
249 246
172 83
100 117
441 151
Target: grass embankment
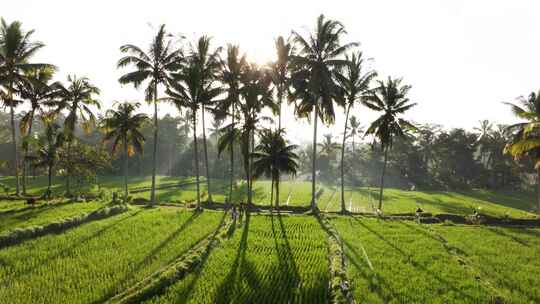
270 259
403 262
94 262
43 213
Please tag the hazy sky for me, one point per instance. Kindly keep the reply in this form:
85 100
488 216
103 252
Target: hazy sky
463 58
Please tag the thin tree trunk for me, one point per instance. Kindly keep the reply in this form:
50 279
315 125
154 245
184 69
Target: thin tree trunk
314 158
272 193
49 182
280 100
125 169
26 152
538 186
232 158
343 208
206 157
250 167
277 192
68 171
382 177
154 155
196 152
14 140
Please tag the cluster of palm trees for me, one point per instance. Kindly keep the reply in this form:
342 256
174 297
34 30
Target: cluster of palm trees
316 72
22 81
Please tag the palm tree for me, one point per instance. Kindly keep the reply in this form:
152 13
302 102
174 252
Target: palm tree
191 89
280 72
209 64
231 71
40 93
155 66
77 98
16 49
50 143
355 85
485 130
355 130
328 147
390 98
314 77
273 158
256 95
525 136
123 127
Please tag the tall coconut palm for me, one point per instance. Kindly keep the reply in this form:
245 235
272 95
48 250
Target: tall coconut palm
485 130
190 90
153 67
256 95
231 72
391 99
16 49
355 130
39 92
209 64
314 77
273 157
50 143
77 98
280 73
355 84
123 128
525 136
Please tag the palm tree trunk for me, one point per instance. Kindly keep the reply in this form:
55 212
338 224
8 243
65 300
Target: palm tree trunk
14 141
272 192
280 100
277 192
196 152
49 181
126 169
314 157
250 167
68 171
154 155
206 157
26 152
538 186
382 177
343 208
232 157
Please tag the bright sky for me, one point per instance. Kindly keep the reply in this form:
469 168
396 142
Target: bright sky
463 58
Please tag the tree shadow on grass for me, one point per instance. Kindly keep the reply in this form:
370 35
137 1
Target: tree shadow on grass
151 256
228 287
67 251
410 260
521 201
287 264
32 210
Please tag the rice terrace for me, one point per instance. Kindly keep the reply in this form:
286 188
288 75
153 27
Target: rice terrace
148 158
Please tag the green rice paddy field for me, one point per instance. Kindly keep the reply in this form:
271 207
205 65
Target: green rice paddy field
272 257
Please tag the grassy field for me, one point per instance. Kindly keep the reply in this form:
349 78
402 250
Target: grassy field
21 216
270 259
298 193
403 262
95 261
